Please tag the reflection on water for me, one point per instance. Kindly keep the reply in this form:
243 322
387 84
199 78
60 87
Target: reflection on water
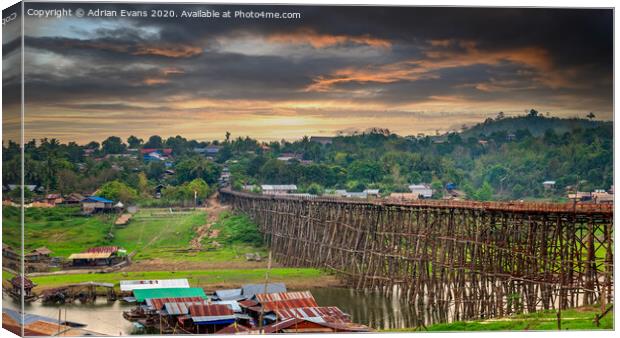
102 317
369 308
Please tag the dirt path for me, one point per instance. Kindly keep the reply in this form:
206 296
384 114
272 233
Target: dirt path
213 209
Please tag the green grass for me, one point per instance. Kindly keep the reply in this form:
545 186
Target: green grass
572 319
196 278
60 229
165 237
152 233
237 229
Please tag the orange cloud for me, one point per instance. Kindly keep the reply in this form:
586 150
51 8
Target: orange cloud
172 51
317 40
440 56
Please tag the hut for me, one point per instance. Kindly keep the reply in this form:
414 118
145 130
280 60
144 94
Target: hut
16 287
54 199
97 256
94 204
74 198
39 255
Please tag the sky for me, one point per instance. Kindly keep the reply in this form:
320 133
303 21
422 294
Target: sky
334 70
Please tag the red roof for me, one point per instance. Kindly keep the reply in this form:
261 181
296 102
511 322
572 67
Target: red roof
277 326
330 314
247 303
166 151
287 304
158 303
274 297
233 328
102 249
210 310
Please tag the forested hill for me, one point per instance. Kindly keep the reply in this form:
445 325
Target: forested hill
537 125
510 161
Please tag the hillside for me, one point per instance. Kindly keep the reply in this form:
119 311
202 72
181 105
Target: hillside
537 125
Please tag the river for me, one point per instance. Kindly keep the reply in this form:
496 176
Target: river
371 309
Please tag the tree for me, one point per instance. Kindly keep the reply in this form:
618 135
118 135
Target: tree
533 113
315 189
134 142
591 116
154 141
485 193
143 184
118 191
113 145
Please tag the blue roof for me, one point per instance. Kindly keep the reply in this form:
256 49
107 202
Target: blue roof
96 199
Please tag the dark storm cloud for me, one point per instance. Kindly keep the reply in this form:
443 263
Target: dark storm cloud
335 61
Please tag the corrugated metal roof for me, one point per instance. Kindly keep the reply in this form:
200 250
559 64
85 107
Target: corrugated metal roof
87 255
110 249
229 294
249 290
291 303
210 310
130 285
326 313
46 328
233 304
141 295
158 303
181 308
211 314
277 326
96 199
247 303
285 304
274 297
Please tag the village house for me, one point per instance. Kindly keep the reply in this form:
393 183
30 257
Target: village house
38 255
278 189
74 198
94 204
54 199
421 190
155 154
602 196
548 185
98 256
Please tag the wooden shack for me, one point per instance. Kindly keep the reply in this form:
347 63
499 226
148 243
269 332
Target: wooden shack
16 288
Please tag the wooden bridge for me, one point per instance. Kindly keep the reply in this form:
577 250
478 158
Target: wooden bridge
453 260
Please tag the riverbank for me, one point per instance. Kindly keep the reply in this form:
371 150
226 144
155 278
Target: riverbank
572 319
295 278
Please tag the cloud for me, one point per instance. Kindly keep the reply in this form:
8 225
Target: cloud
317 40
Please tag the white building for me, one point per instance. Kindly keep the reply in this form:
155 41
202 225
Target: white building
275 189
421 190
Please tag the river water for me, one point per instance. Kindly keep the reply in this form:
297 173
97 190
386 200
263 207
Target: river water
372 309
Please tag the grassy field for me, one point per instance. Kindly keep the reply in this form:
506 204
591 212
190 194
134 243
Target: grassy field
572 319
151 234
60 229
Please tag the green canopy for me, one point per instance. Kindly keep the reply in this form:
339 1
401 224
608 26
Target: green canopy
142 294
